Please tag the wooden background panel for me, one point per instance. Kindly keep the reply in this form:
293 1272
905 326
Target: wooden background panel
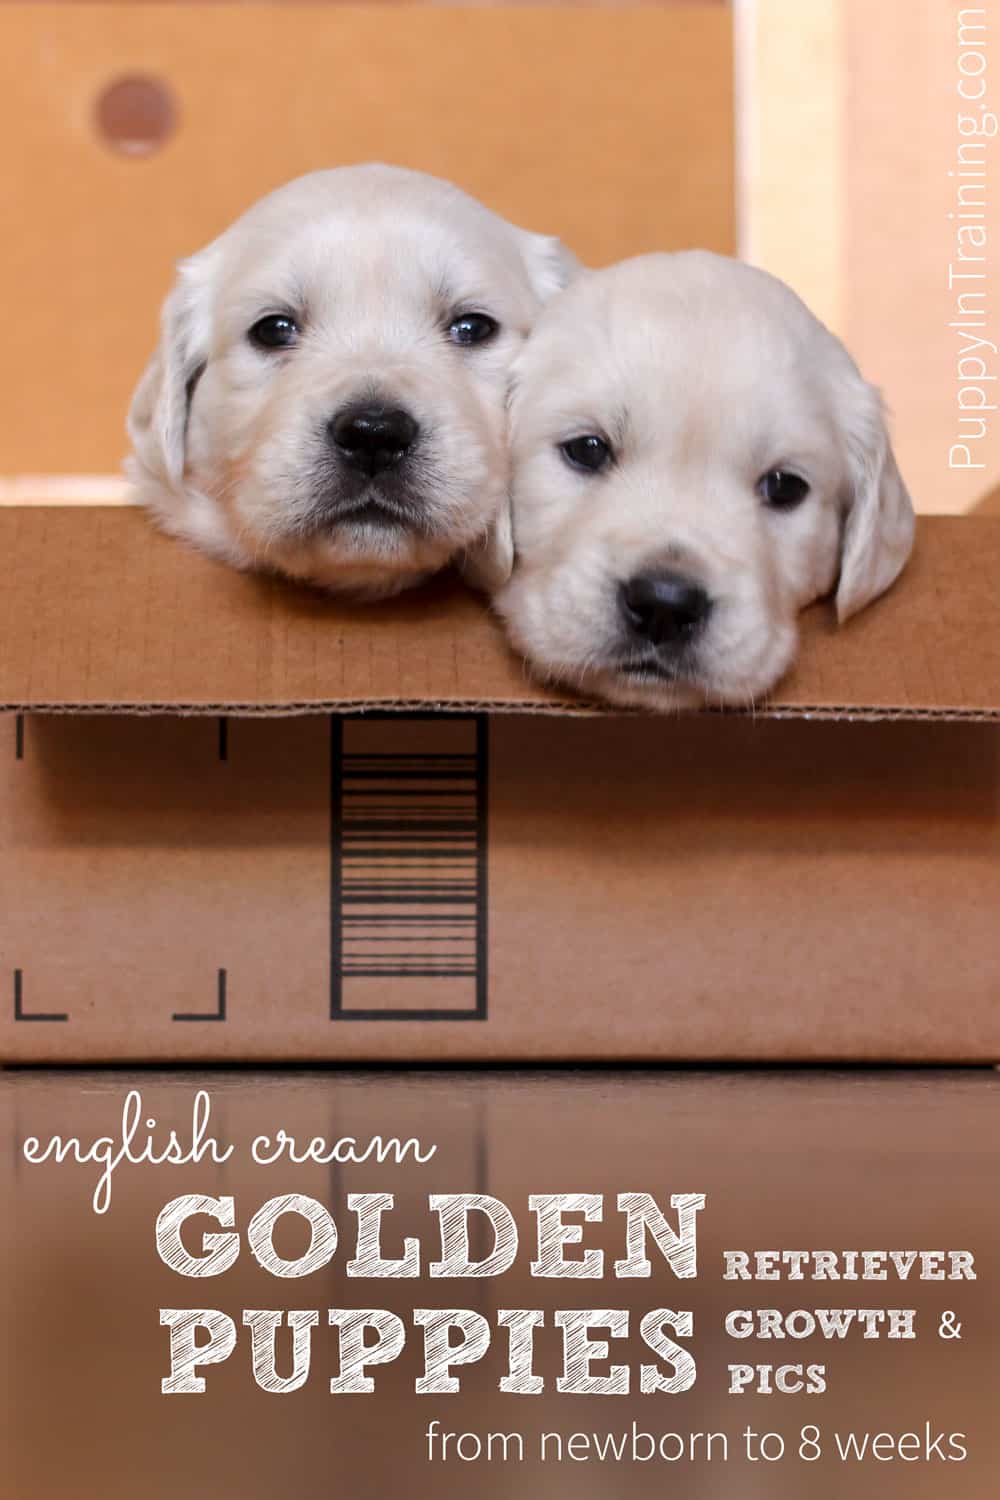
614 131
906 157
854 207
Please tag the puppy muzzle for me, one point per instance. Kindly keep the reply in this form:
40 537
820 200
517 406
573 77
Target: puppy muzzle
661 617
663 609
372 439
370 472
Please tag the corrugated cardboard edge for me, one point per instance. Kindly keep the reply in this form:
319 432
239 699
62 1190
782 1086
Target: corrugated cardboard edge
102 615
556 708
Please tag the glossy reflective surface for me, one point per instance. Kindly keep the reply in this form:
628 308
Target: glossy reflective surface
786 1161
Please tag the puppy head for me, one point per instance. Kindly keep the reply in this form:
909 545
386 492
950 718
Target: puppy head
695 458
328 397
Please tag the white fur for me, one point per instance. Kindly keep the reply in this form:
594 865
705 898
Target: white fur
704 374
229 444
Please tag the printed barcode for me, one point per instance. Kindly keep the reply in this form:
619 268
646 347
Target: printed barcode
408 879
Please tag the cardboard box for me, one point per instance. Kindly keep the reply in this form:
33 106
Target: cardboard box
988 504
240 820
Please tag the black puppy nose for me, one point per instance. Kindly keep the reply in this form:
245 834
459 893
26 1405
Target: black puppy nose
373 438
664 608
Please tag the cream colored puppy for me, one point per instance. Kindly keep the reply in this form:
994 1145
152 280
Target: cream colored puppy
695 458
328 396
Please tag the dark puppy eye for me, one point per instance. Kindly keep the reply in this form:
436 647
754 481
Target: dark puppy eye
472 328
277 331
588 452
782 489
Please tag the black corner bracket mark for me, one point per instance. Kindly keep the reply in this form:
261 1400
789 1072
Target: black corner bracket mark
19 736
20 1014
219 1014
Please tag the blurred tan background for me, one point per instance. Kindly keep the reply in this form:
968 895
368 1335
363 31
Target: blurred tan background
848 131
814 136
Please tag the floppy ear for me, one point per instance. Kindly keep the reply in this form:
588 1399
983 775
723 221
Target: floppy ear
158 415
489 564
879 524
550 265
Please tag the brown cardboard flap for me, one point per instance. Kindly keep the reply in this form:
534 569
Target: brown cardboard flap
100 613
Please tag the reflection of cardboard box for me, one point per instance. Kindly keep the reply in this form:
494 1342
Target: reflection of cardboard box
784 1160
480 870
